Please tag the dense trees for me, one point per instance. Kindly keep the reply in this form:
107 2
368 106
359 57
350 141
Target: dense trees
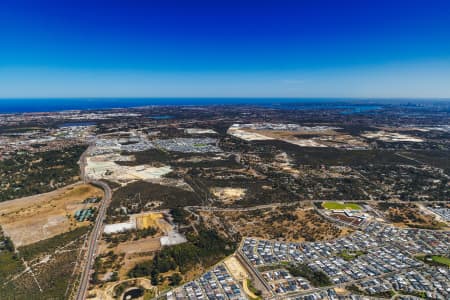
8 244
205 248
175 279
34 173
135 196
315 277
179 215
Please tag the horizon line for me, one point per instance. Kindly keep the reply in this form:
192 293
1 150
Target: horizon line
226 97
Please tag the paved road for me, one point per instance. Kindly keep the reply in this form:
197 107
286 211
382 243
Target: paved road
82 162
260 282
96 231
93 240
278 204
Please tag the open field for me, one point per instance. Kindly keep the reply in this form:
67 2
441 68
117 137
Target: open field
441 260
285 224
140 246
31 219
391 137
50 272
410 215
438 260
236 269
228 195
105 167
340 205
303 136
153 219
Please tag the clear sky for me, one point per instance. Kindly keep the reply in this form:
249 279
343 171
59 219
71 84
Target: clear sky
311 48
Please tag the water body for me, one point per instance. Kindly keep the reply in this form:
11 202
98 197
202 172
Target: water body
360 109
74 124
51 105
163 117
133 294
54 104
346 108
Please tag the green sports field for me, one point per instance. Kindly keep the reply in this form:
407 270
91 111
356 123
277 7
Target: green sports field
435 259
338 205
441 260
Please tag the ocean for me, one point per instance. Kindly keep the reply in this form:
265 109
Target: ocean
55 104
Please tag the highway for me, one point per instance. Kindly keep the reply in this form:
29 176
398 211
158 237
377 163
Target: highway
96 231
93 240
299 202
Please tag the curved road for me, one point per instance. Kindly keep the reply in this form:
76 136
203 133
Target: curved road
96 231
93 240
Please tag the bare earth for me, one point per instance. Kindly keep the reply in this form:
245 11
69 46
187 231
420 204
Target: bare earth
236 269
143 245
31 219
228 195
240 274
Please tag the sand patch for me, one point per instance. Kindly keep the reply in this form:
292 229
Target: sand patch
147 244
31 219
153 219
386 136
236 269
228 195
105 167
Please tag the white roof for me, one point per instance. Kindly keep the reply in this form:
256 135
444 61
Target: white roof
119 227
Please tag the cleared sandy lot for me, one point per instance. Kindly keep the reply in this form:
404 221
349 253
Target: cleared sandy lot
392 137
248 136
228 195
152 219
140 246
236 269
105 167
31 219
240 274
303 136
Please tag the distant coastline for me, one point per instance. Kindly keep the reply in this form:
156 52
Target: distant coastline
11 106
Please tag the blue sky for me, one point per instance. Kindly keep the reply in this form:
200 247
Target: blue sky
231 48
